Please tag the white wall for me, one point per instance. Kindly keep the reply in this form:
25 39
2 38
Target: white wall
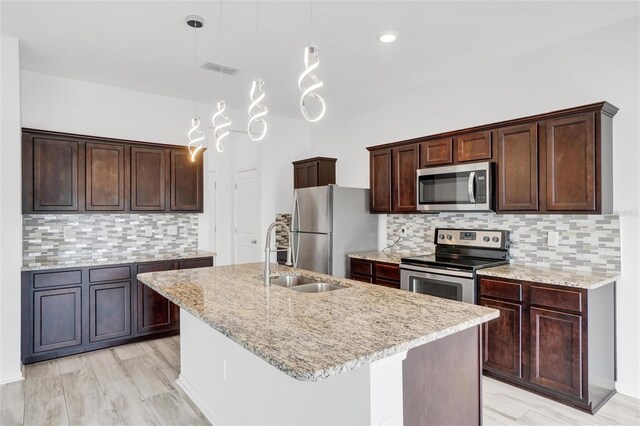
10 211
602 65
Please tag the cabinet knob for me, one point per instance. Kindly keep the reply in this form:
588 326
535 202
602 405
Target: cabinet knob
254 241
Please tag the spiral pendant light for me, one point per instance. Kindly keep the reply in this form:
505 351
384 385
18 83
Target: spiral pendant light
195 135
219 119
256 109
311 62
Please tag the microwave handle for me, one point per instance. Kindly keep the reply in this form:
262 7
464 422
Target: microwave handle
471 187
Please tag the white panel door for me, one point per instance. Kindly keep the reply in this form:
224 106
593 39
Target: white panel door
247 216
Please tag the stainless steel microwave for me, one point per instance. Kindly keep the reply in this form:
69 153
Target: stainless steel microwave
462 187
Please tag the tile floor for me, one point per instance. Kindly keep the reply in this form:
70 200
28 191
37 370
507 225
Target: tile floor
134 385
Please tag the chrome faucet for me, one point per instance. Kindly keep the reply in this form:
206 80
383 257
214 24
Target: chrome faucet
267 250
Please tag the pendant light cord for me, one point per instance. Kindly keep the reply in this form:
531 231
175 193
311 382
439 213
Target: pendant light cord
257 39
220 52
195 49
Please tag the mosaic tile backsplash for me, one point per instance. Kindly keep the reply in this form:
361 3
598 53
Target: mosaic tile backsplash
586 242
91 236
281 236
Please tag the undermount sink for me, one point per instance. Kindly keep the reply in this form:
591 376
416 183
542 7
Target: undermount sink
291 280
303 284
316 287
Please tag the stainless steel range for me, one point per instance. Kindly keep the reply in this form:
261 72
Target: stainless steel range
450 271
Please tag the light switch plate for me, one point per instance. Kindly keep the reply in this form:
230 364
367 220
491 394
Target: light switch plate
172 230
552 238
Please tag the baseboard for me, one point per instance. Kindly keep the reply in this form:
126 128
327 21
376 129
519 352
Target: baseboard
200 402
631 391
16 378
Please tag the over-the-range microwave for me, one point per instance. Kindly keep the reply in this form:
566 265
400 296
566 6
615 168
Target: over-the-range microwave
462 187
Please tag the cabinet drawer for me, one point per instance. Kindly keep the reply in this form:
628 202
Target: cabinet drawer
387 283
55 279
361 267
363 278
387 271
115 273
195 263
501 289
155 267
556 298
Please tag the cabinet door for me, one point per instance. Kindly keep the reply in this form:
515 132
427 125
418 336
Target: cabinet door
186 182
502 338
300 176
436 152
55 175
380 180
57 319
312 173
105 177
195 263
518 168
405 165
556 351
109 311
155 312
570 159
473 147
148 179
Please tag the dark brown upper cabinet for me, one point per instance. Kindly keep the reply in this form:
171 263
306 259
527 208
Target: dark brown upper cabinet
473 147
105 177
317 171
570 158
436 152
148 178
186 181
517 168
557 162
64 173
380 180
406 161
50 180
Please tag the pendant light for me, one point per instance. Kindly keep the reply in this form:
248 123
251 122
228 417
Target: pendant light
219 120
311 62
195 135
256 110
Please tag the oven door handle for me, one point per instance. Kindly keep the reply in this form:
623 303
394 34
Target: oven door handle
471 187
431 273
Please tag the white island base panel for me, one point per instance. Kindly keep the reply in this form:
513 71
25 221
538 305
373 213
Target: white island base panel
231 386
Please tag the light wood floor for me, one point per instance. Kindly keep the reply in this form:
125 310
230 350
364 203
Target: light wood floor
134 385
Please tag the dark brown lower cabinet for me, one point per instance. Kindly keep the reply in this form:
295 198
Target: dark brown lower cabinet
110 311
70 311
57 319
379 273
155 313
556 341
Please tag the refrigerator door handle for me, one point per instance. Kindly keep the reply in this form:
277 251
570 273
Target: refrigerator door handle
296 248
295 212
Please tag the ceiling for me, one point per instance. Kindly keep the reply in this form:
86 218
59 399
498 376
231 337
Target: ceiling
146 45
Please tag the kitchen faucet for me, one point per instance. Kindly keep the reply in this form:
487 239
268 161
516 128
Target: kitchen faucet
267 250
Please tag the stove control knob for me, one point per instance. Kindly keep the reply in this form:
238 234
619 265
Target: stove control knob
441 236
486 239
449 237
495 239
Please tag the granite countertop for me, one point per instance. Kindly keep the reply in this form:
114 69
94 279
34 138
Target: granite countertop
389 256
313 336
113 259
560 277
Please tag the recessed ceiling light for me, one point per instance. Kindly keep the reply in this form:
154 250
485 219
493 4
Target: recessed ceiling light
388 36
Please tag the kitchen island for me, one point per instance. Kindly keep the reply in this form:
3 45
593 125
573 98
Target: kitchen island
361 354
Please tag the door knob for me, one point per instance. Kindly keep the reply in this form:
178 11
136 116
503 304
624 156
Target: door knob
254 242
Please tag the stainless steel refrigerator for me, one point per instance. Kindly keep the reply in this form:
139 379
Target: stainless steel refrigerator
328 223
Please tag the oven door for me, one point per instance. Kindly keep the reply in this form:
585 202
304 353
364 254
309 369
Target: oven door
458 188
447 284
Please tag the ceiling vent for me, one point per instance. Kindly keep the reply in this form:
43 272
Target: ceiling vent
226 69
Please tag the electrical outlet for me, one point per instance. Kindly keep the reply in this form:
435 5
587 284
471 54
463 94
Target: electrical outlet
172 230
552 238
67 234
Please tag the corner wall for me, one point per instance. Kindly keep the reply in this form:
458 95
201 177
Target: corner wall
598 66
10 211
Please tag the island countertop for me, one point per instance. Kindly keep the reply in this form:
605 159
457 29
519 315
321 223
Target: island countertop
313 336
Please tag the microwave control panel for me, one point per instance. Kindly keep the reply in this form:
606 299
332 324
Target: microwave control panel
481 187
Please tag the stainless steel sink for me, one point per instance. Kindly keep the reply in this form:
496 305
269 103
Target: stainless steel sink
291 280
316 287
